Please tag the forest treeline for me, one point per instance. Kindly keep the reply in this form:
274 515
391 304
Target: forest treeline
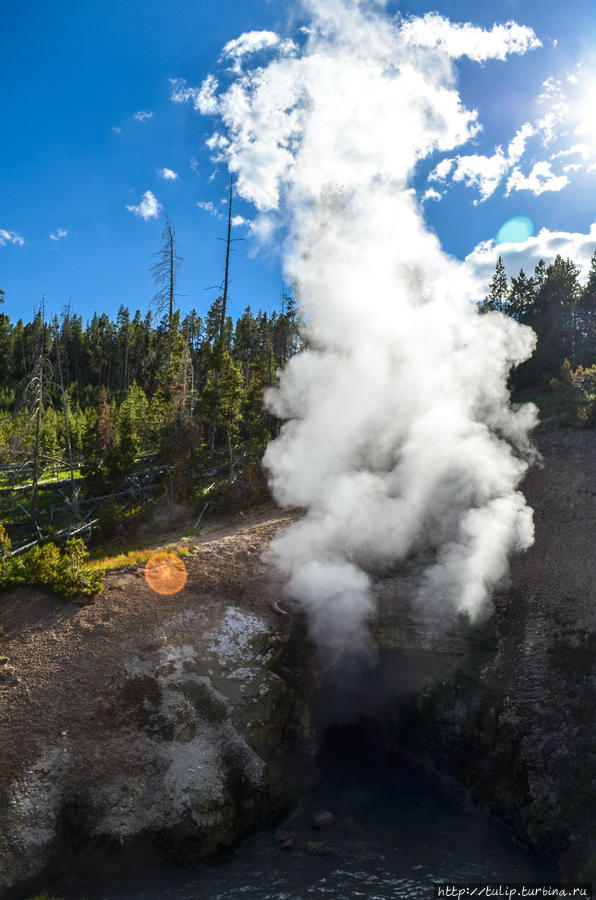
99 419
190 388
142 385
181 397
561 311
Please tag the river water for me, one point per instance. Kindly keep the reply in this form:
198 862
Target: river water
395 833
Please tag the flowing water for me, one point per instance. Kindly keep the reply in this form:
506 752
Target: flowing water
394 834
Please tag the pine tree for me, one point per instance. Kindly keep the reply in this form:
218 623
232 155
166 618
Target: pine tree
37 388
106 426
520 298
497 292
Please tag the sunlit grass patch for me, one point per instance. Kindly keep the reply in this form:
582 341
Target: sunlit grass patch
138 557
128 558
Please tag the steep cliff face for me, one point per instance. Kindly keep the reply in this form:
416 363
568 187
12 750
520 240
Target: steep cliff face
515 723
180 720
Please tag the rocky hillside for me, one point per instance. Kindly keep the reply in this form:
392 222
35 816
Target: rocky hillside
183 721
516 722
173 720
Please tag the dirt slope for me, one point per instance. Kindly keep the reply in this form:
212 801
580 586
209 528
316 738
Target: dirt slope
60 655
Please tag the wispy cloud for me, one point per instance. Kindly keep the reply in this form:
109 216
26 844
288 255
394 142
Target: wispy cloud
117 129
554 101
209 207
60 233
10 237
168 174
142 115
203 98
554 124
148 208
583 150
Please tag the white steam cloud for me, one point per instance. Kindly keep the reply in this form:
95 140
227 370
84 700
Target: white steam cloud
400 441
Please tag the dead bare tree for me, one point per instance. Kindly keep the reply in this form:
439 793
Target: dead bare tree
224 298
219 343
165 271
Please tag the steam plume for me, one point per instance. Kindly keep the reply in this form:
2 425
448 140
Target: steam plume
400 438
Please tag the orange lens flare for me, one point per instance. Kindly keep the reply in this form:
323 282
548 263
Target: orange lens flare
165 573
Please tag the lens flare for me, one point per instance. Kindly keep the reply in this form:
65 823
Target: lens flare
165 573
515 230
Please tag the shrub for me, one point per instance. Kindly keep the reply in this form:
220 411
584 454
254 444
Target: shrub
109 518
578 388
62 570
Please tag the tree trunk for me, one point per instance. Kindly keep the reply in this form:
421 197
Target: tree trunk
220 339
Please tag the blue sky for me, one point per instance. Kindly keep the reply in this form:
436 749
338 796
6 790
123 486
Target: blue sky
90 126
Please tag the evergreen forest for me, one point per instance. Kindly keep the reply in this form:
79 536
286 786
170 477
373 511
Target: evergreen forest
100 419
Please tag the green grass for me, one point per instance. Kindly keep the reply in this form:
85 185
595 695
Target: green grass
6 480
45 896
136 557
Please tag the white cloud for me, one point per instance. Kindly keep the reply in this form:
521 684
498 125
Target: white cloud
484 172
10 237
583 150
60 233
480 263
435 32
117 129
148 208
203 99
540 179
555 102
517 145
239 220
168 174
142 115
441 170
252 42
418 115
208 206
431 194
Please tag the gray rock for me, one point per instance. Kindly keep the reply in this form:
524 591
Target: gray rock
193 757
285 839
322 819
320 848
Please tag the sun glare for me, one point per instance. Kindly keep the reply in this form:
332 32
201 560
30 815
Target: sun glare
584 112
